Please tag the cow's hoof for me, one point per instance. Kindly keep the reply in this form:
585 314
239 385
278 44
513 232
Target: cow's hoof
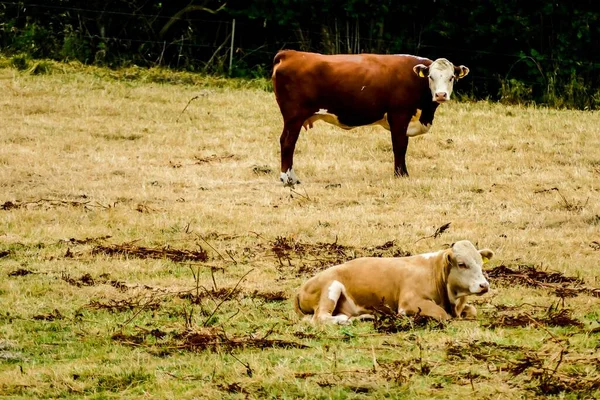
289 178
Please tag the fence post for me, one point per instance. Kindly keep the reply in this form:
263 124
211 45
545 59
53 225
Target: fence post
231 49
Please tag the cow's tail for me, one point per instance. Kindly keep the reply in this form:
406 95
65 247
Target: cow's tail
279 57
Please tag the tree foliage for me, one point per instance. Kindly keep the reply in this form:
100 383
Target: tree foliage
547 51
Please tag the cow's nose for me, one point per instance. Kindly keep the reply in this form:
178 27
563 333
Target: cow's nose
441 95
484 287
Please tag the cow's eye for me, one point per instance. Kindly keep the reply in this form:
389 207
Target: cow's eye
451 78
462 265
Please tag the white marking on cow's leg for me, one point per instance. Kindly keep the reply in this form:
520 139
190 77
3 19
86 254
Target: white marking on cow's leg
335 291
363 317
340 319
289 178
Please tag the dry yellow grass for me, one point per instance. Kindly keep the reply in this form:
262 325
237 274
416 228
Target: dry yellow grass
83 156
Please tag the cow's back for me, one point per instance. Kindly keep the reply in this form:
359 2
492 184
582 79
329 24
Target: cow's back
360 85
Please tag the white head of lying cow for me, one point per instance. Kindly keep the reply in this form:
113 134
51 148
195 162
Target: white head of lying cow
442 74
466 276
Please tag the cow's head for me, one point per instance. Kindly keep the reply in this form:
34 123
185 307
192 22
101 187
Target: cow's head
441 74
465 275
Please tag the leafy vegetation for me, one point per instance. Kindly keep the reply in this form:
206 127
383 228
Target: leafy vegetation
543 51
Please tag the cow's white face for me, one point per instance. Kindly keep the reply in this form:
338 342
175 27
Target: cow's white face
466 274
441 74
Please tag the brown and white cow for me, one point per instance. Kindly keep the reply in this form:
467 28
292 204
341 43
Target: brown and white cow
432 284
398 92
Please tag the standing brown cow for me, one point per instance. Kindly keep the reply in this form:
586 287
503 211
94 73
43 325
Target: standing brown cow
398 92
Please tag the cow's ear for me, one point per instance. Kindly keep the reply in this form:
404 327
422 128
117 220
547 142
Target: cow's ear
421 70
449 258
461 71
486 254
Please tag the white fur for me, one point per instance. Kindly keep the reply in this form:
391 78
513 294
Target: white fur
416 128
335 290
289 178
340 319
429 255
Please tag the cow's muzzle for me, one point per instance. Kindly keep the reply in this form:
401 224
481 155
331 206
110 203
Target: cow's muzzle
441 97
483 288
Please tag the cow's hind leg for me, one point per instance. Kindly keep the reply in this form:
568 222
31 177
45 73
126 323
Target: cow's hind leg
327 304
288 139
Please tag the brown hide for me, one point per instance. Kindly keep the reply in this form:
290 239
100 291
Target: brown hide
358 89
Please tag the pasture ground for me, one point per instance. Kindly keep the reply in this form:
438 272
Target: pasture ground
147 252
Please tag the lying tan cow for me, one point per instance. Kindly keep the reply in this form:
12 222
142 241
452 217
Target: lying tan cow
433 284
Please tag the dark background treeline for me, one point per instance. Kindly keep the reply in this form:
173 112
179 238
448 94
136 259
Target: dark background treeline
518 51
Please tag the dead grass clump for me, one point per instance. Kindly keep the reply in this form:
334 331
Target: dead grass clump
128 249
388 321
322 254
20 272
206 339
262 170
83 280
387 249
54 315
233 387
481 350
528 275
139 301
9 205
548 381
314 257
46 203
87 240
213 158
209 339
396 371
196 296
566 204
89 280
269 296
552 317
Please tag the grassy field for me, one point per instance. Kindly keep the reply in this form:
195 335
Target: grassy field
151 252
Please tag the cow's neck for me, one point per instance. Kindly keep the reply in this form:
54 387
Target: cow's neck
427 112
441 270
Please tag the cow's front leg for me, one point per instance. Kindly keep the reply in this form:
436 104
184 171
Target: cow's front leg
464 310
288 139
429 309
398 126
469 312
